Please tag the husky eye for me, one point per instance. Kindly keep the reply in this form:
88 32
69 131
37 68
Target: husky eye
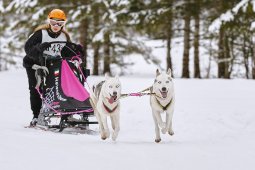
118 86
159 82
110 87
167 81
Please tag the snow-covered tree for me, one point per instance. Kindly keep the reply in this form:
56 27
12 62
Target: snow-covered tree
235 29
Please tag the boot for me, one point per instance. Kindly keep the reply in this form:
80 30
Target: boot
34 121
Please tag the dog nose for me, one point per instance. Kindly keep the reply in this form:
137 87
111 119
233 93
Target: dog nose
163 89
115 93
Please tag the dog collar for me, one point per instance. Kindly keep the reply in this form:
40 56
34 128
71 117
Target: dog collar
108 109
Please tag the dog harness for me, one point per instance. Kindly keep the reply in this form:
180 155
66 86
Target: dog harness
108 109
164 107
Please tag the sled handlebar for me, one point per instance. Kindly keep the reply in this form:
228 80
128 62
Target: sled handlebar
55 42
48 57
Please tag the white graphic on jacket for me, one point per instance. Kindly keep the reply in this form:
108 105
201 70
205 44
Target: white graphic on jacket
55 48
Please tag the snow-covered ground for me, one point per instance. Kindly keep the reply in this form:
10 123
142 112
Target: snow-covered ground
214 123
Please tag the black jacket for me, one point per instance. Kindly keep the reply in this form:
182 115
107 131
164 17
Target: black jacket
31 48
33 52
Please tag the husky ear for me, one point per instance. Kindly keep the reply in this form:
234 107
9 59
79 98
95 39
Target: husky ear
157 72
106 76
169 72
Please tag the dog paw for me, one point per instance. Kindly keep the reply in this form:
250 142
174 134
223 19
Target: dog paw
107 133
164 130
157 140
114 136
171 132
103 137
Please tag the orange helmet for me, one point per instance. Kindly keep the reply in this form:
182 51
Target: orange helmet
57 14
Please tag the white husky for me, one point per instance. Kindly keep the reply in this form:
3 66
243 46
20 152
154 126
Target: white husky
162 101
105 102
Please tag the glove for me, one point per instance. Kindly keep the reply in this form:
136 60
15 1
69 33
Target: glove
42 72
80 49
43 46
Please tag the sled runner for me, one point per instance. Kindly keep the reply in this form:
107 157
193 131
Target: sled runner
60 83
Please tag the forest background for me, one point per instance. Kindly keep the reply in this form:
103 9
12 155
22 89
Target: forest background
215 37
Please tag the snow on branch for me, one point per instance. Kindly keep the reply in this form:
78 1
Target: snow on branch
1 7
229 15
21 4
39 13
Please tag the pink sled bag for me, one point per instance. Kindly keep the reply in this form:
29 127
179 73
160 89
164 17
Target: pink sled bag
70 84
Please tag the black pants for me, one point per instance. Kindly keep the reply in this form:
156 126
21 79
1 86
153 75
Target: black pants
35 100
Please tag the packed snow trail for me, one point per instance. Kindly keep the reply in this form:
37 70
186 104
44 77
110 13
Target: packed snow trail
214 124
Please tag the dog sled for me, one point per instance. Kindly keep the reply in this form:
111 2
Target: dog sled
61 85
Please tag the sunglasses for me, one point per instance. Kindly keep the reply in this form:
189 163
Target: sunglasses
56 23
